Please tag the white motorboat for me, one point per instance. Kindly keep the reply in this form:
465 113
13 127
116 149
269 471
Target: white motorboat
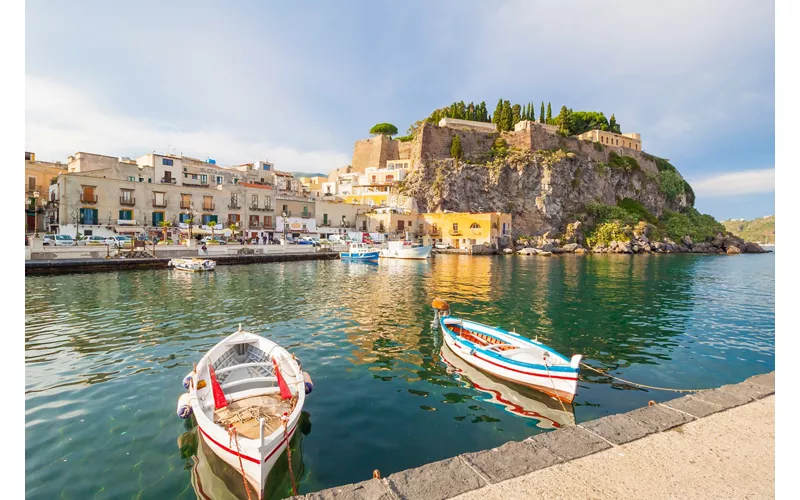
406 250
246 394
193 265
359 251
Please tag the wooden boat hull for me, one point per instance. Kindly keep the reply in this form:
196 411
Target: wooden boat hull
560 382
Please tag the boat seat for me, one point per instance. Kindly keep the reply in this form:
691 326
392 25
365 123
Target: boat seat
480 338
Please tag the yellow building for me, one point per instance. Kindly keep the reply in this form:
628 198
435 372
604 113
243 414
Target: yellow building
38 175
630 141
462 229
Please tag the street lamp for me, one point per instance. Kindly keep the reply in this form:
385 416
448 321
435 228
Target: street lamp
76 220
36 214
284 229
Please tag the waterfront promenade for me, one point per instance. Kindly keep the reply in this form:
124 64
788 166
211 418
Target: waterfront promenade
718 443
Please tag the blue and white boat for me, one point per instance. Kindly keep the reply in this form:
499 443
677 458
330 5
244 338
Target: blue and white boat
509 355
360 251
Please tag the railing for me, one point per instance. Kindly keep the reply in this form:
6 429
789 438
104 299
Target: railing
435 232
169 180
84 199
287 212
254 225
186 204
209 206
127 222
160 204
307 215
271 225
196 184
128 202
455 232
35 188
254 206
230 223
234 206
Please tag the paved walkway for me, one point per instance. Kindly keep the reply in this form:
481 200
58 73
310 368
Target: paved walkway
726 455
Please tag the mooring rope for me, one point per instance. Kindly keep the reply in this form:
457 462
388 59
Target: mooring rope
285 420
558 396
234 439
643 386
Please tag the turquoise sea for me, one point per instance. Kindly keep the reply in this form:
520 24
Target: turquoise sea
105 355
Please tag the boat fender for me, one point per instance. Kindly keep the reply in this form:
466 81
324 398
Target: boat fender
187 380
184 407
309 384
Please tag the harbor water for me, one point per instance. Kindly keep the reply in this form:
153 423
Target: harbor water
106 354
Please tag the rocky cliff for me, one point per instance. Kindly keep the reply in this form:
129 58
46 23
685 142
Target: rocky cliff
545 181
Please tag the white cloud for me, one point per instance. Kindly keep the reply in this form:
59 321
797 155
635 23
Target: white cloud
736 183
61 120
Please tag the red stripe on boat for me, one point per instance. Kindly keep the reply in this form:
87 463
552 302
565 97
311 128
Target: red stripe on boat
522 372
281 443
255 461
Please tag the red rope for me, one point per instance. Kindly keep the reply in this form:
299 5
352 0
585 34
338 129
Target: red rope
285 420
233 438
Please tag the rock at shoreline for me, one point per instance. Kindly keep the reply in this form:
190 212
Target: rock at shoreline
732 250
570 247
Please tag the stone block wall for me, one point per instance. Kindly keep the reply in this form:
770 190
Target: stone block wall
434 142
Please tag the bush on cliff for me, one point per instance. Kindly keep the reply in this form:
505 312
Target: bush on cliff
671 184
699 226
602 213
626 163
607 232
383 129
455 148
637 209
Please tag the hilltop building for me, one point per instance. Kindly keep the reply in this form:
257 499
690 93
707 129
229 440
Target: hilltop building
631 140
467 124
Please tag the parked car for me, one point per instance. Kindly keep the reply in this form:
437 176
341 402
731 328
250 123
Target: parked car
213 240
58 240
443 246
93 240
119 241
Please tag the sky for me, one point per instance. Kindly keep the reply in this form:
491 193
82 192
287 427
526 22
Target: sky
297 83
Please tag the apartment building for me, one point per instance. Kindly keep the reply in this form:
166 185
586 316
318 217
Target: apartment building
38 176
631 140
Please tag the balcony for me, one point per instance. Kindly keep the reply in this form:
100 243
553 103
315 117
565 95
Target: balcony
230 223
209 206
254 206
31 189
160 203
234 205
435 232
186 204
89 199
196 184
254 225
128 202
128 222
455 232
169 180
269 225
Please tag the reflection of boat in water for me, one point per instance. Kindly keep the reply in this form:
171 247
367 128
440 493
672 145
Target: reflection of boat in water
213 478
521 401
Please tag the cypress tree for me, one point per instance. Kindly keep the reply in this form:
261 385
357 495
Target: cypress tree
549 115
483 116
497 112
507 118
455 147
541 113
612 124
516 116
470 111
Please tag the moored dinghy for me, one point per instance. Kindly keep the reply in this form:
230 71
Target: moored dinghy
247 394
193 264
509 356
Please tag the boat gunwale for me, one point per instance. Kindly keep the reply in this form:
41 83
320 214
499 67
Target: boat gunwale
499 357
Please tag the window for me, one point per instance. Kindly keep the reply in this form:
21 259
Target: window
31 183
204 178
455 226
166 161
158 198
132 178
234 200
254 201
325 219
286 208
254 220
234 217
401 225
389 178
141 179
149 179
268 203
158 217
126 215
194 176
617 142
268 221
374 179
167 176
288 184
475 225
209 218
88 216
183 218
305 211
219 179
185 175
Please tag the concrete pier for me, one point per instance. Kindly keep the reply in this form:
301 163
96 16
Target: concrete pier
718 443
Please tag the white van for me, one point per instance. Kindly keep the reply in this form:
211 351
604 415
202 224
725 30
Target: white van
58 240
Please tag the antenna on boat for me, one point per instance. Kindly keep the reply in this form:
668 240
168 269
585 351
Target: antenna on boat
240 327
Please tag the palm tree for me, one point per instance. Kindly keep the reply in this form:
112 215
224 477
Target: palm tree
233 227
212 224
164 224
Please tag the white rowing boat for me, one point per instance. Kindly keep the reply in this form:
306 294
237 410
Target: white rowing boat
406 250
247 394
193 264
509 355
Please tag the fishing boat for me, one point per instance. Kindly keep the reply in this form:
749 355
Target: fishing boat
359 251
509 355
406 250
193 264
517 400
246 394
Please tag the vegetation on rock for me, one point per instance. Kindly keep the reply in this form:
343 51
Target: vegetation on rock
626 163
699 226
607 232
761 230
383 129
455 148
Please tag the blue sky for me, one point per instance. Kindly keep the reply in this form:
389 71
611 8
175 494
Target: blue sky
298 82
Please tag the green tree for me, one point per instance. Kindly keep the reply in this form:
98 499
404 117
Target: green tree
164 224
455 147
516 115
383 129
471 111
507 118
498 112
549 115
613 126
564 121
212 224
541 113
484 117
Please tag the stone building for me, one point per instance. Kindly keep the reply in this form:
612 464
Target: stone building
467 124
38 176
631 140
105 195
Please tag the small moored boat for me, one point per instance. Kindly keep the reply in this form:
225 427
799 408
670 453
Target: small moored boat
193 264
247 394
509 355
406 250
359 251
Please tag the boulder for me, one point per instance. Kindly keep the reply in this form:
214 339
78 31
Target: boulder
751 247
732 250
718 241
508 251
548 247
580 250
543 253
687 240
613 246
570 247
657 246
635 248
624 247
528 251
